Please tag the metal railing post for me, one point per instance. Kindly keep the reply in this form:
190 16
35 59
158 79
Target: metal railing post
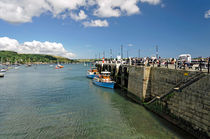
200 65
208 64
159 63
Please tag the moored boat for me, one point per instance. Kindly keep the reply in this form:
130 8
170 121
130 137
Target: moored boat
59 66
28 65
92 73
16 67
104 80
3 70
1 74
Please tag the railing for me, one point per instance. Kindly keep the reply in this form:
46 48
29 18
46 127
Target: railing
178 88
199 65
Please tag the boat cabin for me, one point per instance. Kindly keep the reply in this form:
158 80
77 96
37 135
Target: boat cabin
94 70
105 75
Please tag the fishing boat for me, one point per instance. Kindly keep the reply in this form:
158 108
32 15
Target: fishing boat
93 72
104 80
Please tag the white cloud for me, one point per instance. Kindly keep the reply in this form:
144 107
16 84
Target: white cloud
16 11
34 47
80 16
22 11
154 2
130 7
116 8
96 23
207 14
60 6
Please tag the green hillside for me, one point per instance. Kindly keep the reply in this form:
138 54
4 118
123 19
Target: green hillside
14 57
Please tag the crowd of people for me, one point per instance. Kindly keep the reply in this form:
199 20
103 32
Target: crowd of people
197 64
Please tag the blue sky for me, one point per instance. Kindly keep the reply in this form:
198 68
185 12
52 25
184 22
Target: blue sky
176 26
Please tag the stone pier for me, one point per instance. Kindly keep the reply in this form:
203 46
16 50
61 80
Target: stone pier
182 97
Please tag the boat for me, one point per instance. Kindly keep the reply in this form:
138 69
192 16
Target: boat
29 63
3 70
104 80
59 66
1 74
16 68
93 72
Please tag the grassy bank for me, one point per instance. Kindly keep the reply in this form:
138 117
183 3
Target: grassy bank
14 58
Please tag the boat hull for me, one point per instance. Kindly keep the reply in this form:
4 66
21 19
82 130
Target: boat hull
1 75
104 84
91 76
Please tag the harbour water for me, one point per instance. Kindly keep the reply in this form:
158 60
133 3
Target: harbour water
42 102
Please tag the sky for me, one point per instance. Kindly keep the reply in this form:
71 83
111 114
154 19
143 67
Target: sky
89 28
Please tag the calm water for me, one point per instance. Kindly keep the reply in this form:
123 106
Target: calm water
41 102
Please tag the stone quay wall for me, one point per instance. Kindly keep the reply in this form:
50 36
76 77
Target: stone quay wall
188 107
192 106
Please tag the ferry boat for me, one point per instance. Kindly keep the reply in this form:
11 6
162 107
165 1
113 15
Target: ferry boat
104 80
92 73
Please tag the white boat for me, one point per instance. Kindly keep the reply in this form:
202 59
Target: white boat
1 74
3 70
